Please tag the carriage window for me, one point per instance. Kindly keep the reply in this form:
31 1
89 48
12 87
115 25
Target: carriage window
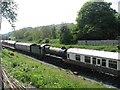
94 60
113 64
103 62
87 59
98 61
68 55
78 57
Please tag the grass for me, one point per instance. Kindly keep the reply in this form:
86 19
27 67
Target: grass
56 43
41 75
109 48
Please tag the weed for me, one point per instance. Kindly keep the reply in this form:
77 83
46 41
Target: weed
41 75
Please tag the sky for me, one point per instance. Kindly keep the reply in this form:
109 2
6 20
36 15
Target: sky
33 13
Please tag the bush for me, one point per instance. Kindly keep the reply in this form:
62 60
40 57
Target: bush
46 40
29 38
54 41
14 64
39 40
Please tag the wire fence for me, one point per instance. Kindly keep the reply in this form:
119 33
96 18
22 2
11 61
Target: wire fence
98 42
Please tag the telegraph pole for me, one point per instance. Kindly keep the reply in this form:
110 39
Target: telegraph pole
119 13
1 77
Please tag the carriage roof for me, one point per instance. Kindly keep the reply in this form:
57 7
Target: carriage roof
104 54
24 44
9 41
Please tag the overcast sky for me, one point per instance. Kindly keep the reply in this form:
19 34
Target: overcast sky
33 13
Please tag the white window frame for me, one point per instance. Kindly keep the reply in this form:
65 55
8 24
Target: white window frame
118 65
97 61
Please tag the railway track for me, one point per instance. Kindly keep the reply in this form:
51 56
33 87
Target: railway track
85 73
11 83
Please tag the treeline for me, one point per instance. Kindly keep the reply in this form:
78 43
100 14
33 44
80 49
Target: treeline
42 34
95 21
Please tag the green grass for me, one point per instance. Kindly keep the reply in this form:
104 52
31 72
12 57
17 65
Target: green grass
56 43
41 75
109 48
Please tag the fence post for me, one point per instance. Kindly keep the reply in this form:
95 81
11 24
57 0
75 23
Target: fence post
1 77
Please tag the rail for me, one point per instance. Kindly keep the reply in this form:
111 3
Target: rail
11 83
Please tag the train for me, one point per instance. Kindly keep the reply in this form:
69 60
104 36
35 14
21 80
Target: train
101 61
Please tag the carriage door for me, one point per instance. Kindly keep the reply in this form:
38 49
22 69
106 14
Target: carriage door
98 61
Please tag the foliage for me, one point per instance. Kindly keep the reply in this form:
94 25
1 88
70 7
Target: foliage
40 75
96 20
65 35
46 40
54 33
5 37
54 41
37 33
109 48
8 10
20 34
118 23
39 40
46 32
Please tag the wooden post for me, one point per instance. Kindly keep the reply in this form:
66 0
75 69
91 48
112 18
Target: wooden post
1 77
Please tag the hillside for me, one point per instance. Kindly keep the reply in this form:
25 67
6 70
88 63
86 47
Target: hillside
22 31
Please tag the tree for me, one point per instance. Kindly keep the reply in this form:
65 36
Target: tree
54 33
8 11
118 23
65 35
46 32
36 33
28 36
96 20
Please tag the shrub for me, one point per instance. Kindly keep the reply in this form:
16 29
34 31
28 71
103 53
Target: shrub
39 40
14 64
46 40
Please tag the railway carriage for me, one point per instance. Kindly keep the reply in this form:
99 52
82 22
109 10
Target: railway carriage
102 61
23 46
8 44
